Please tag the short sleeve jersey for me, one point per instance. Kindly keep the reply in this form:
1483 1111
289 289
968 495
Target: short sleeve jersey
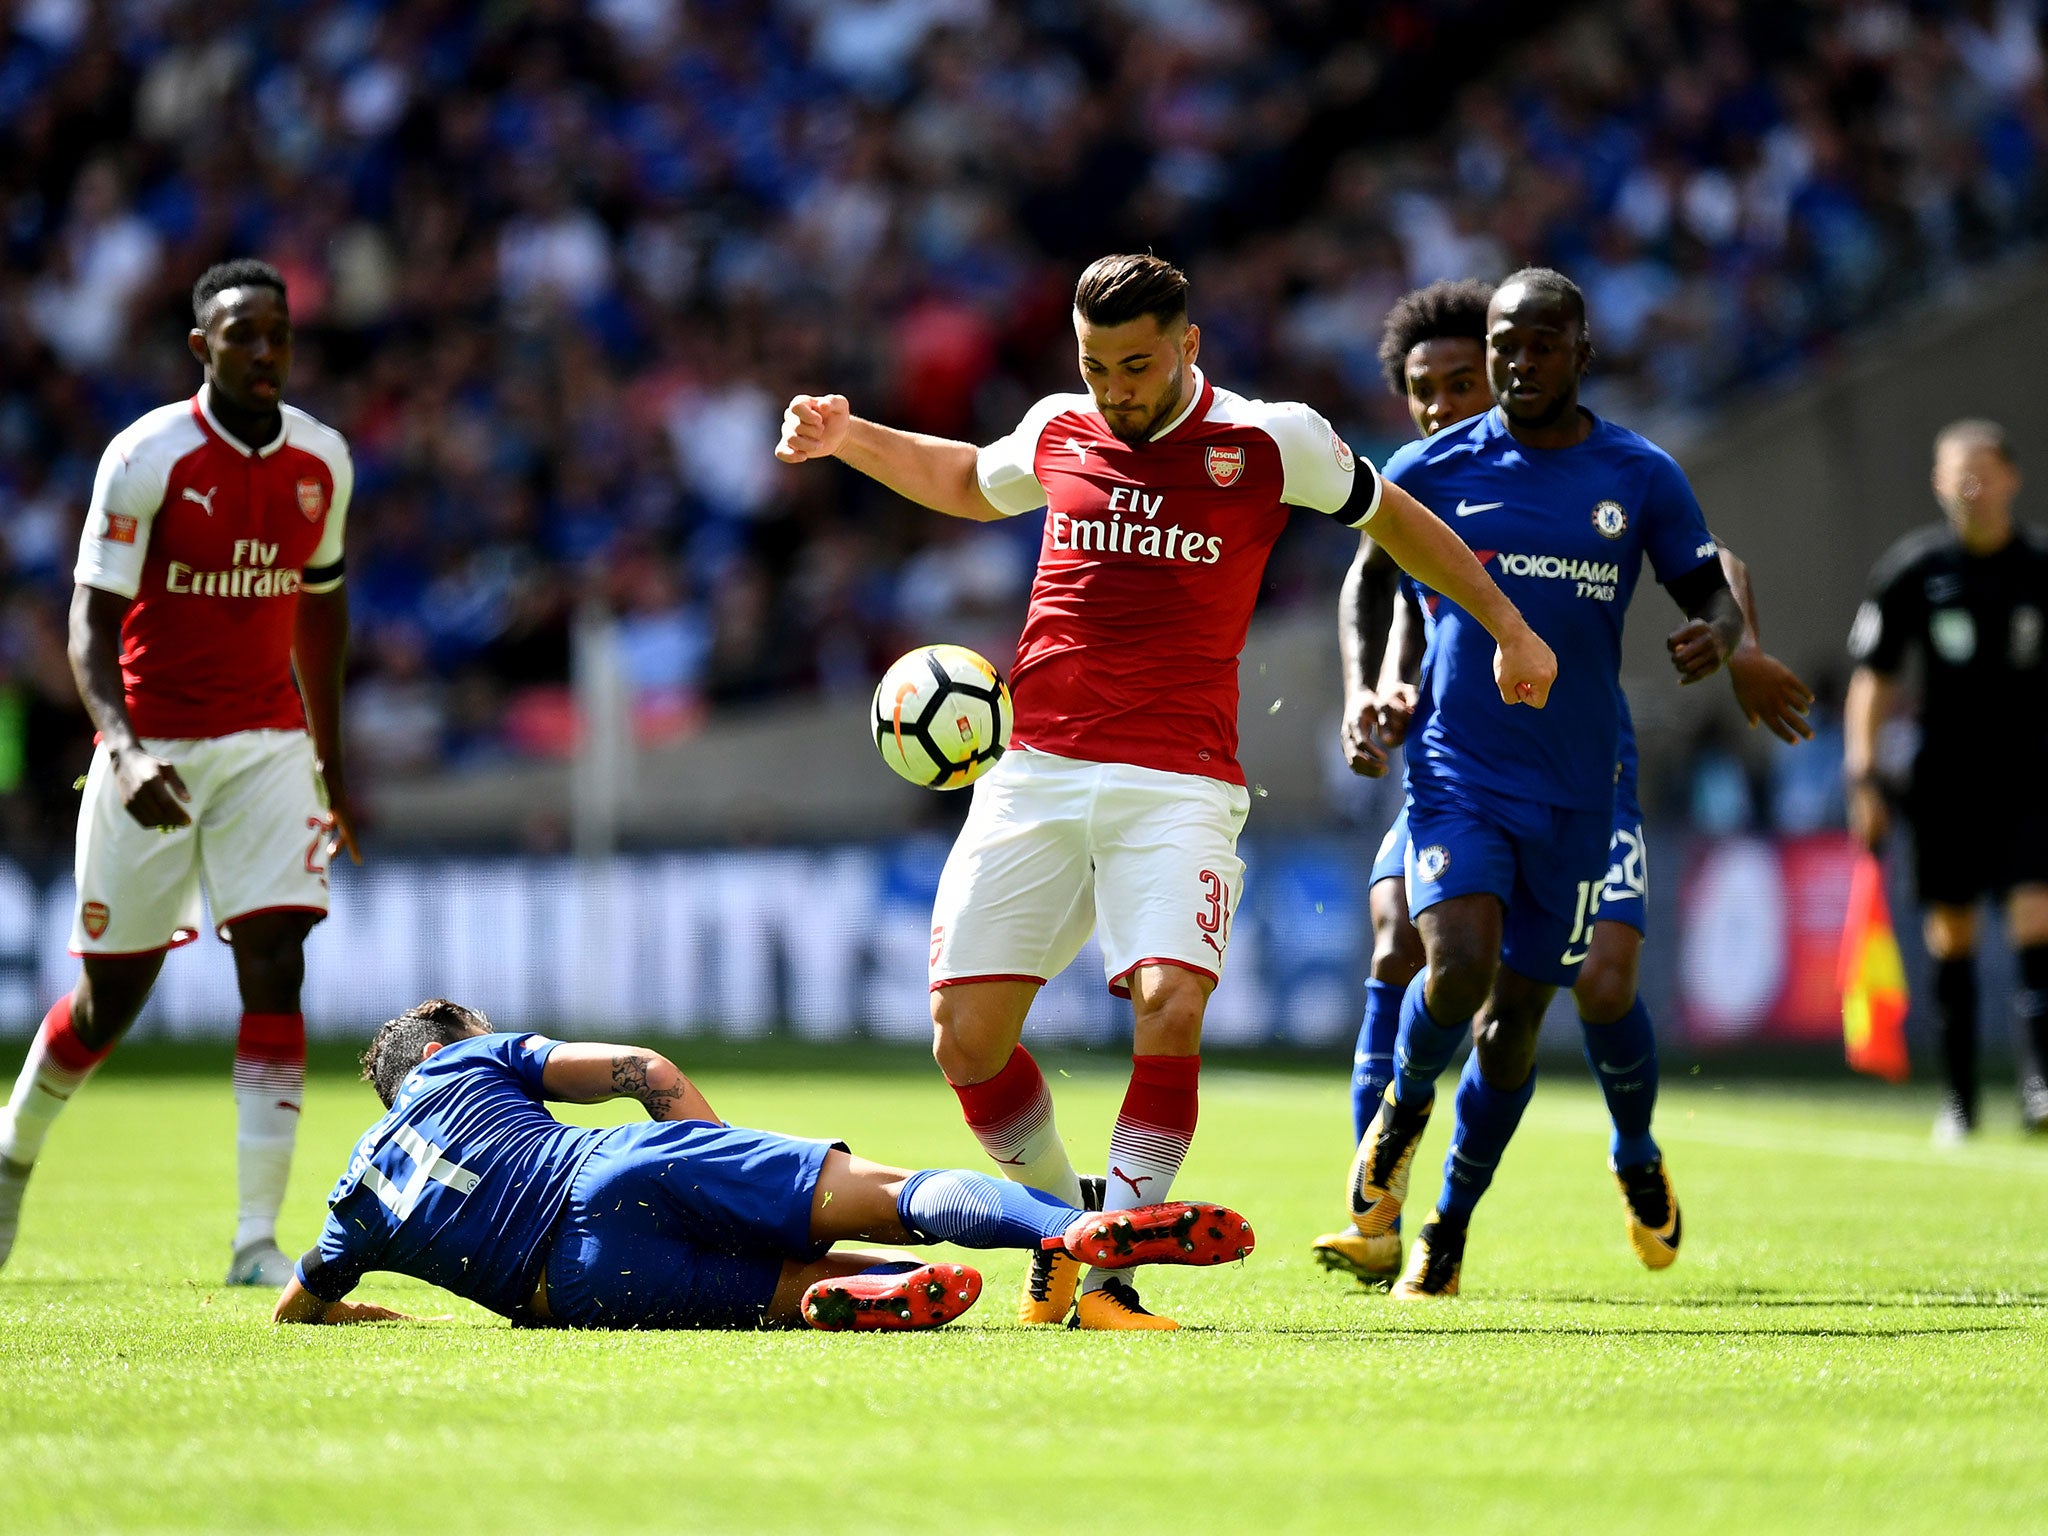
1978 623
214 541
1150 565
1564 532
460 1183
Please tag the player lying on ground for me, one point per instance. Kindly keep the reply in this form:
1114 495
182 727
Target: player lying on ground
1434 354
1968 594
470 1184
1511 812
209 629
1121 800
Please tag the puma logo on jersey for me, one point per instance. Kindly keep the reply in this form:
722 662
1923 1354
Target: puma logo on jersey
1472 509
1080 449
205 501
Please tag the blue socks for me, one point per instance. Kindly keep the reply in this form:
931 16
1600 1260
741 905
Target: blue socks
1372 1064
1623 1056
950 1205
1486 1119
1425 1047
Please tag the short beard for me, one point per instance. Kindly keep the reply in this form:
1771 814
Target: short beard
1173 402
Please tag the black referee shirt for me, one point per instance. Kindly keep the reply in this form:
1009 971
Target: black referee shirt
1980 623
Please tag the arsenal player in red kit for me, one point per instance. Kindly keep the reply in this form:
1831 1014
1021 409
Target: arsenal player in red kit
208 574
1120 805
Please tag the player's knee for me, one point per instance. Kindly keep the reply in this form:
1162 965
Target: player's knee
1950 932
1396 951
1506 1047
1459 981
965 1054
1605 991
1167 1013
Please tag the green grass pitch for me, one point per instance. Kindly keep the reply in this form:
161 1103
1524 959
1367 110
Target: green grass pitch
1856 1339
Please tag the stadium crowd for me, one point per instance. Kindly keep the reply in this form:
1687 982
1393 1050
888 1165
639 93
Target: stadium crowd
555 267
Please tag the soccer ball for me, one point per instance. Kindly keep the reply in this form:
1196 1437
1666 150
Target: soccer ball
942 716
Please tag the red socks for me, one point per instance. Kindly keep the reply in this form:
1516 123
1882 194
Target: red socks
1011 1116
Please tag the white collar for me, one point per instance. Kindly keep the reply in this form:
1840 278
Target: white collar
234 442
1194 398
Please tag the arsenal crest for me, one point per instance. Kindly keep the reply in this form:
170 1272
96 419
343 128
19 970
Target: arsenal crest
1226 463
312 500
94 916
1345 460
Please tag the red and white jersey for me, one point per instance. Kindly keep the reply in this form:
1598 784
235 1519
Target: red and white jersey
214 541
1150 565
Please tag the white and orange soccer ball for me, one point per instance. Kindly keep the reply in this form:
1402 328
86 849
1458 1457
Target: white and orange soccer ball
942 716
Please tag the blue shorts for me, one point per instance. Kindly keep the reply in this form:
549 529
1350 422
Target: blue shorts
683 1225
1625 898
1391 863
1546 863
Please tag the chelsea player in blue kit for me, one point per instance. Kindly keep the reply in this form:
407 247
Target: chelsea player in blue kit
1510 820
1434 354
470 1184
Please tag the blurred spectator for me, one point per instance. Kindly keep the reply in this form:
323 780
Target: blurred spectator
556 263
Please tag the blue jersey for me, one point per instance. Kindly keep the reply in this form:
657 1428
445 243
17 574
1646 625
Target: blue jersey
460 1184
1563 531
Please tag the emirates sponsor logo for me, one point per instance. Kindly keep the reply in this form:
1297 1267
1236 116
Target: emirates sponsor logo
252 575
1226 463
1146 541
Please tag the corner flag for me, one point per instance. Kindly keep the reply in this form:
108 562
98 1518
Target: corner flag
1873 978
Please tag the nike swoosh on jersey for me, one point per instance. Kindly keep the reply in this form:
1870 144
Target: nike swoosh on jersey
1467 509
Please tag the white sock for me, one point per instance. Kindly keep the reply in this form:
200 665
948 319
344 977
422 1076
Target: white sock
41 1091
270 1086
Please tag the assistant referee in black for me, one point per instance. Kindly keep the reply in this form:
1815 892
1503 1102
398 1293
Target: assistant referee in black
1970 595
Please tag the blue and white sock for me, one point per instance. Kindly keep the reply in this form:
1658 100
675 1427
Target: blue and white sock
1425 1045
1372 1063
1485 1122
1623 1056
951 1205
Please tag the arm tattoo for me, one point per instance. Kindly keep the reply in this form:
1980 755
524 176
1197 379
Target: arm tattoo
629 1077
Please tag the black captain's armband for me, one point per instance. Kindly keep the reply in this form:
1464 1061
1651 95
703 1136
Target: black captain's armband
315 577
1693 590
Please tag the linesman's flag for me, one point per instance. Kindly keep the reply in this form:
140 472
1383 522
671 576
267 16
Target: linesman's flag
1873 978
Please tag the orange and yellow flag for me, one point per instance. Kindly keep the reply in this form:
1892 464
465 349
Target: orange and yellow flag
1873 978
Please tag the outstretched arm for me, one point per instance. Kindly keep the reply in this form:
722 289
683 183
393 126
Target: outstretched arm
934 472
1523 666
1767 689
586 1073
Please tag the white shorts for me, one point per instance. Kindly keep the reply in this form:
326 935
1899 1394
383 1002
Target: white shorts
257 843
1054 847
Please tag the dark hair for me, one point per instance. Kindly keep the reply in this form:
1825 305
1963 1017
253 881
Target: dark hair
1977 432
1556 284
1118 289
243 272
1443 309
400 1044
